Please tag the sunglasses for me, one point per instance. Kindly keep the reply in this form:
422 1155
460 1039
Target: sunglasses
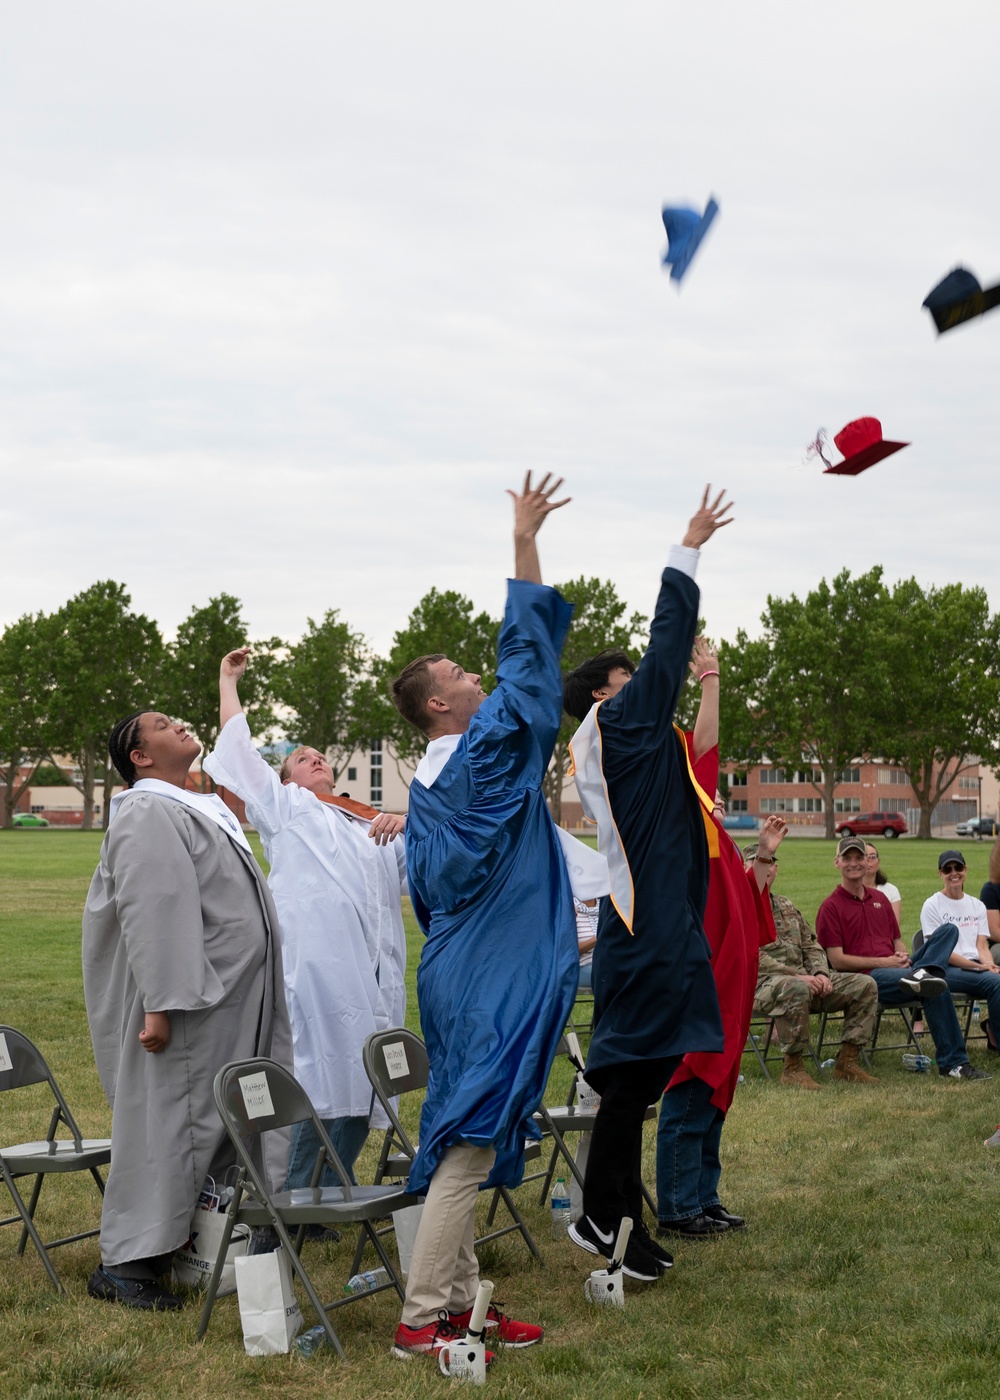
951 869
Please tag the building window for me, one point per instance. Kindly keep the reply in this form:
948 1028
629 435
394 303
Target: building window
893 777
894 804
376 773
970 784
848 775
738 804
777 804
352 775
773 775
847 804
810 804
737 780
36 810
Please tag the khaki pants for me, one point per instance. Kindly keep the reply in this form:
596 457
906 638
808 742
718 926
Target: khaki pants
444 1270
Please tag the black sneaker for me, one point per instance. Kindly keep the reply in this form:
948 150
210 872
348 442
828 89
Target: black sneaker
588 1236
653 1247
965 1071
640 1264
698 1227
922 983
131 1292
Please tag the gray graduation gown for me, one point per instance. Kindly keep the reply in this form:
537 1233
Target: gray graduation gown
178 919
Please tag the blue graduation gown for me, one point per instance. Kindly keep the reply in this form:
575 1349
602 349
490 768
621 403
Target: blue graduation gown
499 969
654 994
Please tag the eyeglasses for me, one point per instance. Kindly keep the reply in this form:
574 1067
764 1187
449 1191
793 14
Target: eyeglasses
952 869
872 855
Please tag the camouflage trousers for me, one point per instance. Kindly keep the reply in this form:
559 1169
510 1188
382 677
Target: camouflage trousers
790 1002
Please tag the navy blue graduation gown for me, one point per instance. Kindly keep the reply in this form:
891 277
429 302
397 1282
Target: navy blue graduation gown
498 972
654 994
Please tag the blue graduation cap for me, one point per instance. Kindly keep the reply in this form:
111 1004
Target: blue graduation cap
957 298
685 230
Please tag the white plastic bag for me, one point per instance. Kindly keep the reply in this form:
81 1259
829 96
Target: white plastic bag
269 1310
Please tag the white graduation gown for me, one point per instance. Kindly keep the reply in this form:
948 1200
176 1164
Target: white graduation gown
338 899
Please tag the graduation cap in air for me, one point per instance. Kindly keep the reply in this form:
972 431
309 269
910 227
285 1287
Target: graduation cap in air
862 444
957 298
685 230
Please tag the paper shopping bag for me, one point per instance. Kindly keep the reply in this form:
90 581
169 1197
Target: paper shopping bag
269 1311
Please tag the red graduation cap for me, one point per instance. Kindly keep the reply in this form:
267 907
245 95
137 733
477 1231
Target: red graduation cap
863 445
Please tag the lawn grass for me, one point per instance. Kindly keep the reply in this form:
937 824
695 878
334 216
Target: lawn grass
867 1270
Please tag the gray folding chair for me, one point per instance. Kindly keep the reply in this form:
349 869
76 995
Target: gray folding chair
22 1064
255 1097
557 1122
396 1063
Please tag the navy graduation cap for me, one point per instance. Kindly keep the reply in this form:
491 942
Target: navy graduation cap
685 230
957 298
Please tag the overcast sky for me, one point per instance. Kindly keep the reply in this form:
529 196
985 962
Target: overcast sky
290 292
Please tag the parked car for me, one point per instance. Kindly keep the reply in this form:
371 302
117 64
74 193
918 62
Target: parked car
888 824
978 827
28 819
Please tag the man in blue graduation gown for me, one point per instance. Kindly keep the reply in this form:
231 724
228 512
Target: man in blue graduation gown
654 994
498 972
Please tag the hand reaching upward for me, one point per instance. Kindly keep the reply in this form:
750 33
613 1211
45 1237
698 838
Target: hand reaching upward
707 519
530 509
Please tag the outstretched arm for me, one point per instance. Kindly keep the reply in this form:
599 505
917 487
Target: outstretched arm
530 509
706 520
230 674
704 666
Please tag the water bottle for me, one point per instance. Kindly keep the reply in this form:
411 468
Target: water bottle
828 1064
306 1343
975 1010
560 1209
364 1283
919 1064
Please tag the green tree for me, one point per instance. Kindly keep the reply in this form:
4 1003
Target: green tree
443 623
190 689
23 703
600 623
811 691
941 648
320 681
103 661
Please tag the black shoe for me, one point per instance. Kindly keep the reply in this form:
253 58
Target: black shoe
588 1236
324 1234
699 1227
922 983
640 1264
987 1029
663 1259
131 1292
965 1071
735 1222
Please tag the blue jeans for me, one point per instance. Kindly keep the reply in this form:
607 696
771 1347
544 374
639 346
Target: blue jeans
687 1152
348 1137
938 1012
982 986
586 972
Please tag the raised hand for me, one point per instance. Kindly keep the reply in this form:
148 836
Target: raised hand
534 503
772 833
704 657
234 664
707 519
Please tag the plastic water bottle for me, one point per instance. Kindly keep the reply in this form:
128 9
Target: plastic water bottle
919 1064
364 1283
828 1064
560 1209
307 1343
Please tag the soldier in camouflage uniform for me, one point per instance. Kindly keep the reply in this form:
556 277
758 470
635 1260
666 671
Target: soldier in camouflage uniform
795 979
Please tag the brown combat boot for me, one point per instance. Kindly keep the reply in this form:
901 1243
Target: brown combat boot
847 1066
796 1075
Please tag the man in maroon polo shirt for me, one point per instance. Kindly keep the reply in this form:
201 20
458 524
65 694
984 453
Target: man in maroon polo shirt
858 929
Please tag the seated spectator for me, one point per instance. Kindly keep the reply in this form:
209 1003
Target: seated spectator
859 932
990 896
875 879
587 911
971 967
795 979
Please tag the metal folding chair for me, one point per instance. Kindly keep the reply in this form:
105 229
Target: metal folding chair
255 1097
23 1064
396 1063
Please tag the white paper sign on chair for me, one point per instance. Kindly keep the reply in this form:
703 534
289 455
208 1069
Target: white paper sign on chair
256 1095
5 1061
395 1060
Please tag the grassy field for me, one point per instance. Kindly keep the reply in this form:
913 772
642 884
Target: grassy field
868 1269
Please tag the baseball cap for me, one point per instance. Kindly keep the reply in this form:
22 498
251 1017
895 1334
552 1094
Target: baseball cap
946 857
851 843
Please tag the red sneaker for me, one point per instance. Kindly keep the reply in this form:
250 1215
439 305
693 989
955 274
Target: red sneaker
503 1328
412 1341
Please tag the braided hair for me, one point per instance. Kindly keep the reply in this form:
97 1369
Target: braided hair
124 738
